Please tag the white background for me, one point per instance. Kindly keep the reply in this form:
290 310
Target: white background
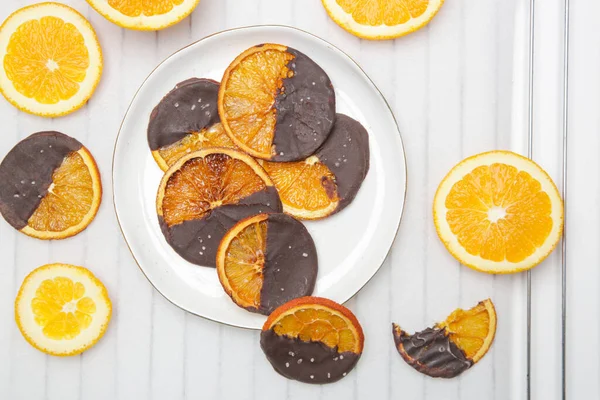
451 88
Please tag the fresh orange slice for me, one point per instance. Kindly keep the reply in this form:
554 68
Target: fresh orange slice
206 193
50 186
62 310
328 181
52 61
498 212
144 15
276 103
313 340
382 19
453 346
267 260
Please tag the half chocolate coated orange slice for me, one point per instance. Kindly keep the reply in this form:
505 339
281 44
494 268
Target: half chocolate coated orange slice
49 186
186 120
276 103
312 340
452 346
328 181
267 260
205 194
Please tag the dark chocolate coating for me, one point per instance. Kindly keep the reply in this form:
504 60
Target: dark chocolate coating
198 240
346 153
431 352
292 359
190 107
305 110
290 263
26 173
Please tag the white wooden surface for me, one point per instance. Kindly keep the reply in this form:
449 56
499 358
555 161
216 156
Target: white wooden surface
451 88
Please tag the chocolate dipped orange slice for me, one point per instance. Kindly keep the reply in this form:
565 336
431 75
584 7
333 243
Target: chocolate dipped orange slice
186 120
276 103
328 181
450 347
312 340
49 186
267 260
206 193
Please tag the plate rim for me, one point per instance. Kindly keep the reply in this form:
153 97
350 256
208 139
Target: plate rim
242 28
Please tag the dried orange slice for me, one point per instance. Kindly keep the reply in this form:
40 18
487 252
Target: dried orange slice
49 186
276 103
498 212
312 340
382 19
206 193
451 347
62 310
186 120
52 61
144 15
267 260
328 181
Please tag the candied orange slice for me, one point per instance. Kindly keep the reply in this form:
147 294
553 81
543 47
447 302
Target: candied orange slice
214 136
472 330
318 320
452 346
498 212
205 180
382 19
242 259
267 260
205 194
276 103
62 309
72 200
145 15
52 60
307 188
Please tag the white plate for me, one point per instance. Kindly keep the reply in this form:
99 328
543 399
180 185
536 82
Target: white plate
351 245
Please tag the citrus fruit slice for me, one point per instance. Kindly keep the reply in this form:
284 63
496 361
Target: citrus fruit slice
326 182
312 340
205 194
62 309
144 15
498 212
452 346
380 20
186 120
276 103
52 60
49 186
267 260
